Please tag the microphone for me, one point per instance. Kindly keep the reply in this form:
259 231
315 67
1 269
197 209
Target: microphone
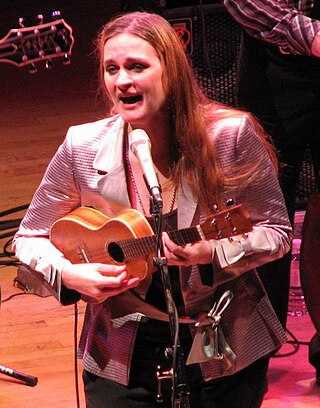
140 146
27 379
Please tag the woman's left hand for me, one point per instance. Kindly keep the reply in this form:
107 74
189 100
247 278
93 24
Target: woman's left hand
190 254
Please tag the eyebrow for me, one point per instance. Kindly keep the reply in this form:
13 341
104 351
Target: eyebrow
128 60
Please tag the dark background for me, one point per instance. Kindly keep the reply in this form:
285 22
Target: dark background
76 81
85 17
37 109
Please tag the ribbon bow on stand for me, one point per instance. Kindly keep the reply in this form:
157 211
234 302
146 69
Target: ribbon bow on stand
210 342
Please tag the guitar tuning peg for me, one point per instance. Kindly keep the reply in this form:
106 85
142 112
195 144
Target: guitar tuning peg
230 202
56 14
66 60
22 21
39 18
49 64
32 69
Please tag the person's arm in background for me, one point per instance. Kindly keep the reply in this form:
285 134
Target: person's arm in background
278 23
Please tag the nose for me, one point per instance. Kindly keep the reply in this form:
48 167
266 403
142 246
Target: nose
123 79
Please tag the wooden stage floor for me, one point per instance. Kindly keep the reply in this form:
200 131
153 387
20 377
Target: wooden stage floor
37 338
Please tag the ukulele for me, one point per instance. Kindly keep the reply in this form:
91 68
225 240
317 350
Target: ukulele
28 45
87 235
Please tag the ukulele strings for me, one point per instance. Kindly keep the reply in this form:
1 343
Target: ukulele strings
135 248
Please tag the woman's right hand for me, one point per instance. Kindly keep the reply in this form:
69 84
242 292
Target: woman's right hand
96 282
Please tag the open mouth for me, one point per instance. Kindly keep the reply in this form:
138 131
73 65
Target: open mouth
131 99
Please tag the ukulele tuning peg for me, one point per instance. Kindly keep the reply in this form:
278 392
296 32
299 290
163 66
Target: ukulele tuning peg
22 22
230 202
56 14
39 19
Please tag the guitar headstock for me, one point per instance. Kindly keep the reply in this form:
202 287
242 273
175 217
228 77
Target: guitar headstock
28 45
227 223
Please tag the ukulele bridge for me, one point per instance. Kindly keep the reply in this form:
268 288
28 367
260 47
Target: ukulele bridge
83 253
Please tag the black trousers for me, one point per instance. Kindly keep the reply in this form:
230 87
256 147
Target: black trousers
244 389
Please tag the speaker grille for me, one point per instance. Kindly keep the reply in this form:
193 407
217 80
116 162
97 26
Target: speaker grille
215 50
307 181
215 54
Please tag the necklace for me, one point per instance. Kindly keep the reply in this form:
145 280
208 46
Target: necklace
172 202
173 197
133 181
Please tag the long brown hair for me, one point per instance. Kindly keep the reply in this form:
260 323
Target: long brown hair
190 111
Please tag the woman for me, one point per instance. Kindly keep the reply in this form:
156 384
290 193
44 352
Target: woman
204 154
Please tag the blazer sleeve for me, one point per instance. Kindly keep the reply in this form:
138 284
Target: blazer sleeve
237 143
57 195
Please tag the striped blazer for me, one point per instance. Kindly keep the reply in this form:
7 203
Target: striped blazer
88 170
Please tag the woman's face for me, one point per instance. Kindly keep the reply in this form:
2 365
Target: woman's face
133 78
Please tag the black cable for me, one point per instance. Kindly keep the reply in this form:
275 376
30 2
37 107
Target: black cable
302 343
9 263
14 209
7 244
7 253
14 295
296 346
8 224
8 234
75 337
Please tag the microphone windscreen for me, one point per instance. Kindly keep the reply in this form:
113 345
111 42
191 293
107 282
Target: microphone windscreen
138 137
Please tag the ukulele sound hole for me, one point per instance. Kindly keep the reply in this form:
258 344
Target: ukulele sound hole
116 252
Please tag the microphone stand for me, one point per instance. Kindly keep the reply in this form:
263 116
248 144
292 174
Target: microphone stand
177 374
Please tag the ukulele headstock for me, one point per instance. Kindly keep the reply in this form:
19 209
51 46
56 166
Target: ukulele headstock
235 220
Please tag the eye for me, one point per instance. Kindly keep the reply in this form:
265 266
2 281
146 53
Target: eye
110 69
138 67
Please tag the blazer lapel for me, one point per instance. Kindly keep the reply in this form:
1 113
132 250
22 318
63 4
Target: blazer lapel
109 163
113 186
